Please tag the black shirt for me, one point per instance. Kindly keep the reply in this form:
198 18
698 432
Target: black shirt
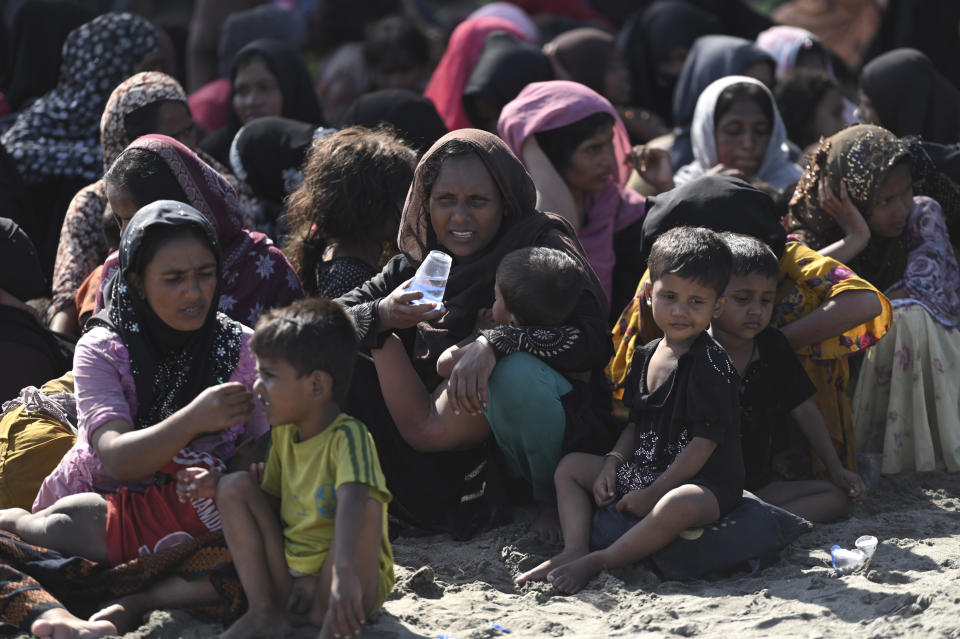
772 386
698 399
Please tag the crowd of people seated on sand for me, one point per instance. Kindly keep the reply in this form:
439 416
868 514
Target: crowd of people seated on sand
702 259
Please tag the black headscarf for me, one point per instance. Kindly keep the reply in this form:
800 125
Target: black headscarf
712 57
40 28
170 367
911 97
413 116
20 272
716 202
299 99
584 54
267 155
647 39
506 65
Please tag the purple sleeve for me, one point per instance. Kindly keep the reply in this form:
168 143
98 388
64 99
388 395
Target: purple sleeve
104 383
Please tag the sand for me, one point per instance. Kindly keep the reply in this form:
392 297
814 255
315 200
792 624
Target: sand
460 589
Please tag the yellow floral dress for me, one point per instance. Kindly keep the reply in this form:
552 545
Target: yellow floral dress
807 281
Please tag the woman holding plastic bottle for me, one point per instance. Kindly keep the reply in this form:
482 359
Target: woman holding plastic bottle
472 199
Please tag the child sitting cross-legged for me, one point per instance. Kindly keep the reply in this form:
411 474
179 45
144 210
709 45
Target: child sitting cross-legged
774 389
677 463
310 541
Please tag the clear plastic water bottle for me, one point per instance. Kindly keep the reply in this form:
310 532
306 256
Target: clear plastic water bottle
431 278
847 561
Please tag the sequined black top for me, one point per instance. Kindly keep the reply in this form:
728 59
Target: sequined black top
698 399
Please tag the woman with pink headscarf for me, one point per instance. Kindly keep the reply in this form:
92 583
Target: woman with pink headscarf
576 148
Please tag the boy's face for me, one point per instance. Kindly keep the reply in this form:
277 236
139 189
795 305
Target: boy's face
749 305
501 314
683 307
285 394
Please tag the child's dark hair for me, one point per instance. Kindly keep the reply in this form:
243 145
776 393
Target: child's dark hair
354 185
692 252
751 256
540 285
755 93
559 144
145 177
798 95
312 334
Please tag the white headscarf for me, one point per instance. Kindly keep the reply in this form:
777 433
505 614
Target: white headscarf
776 167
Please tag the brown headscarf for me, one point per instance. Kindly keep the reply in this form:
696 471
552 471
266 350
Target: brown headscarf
470 284
861 156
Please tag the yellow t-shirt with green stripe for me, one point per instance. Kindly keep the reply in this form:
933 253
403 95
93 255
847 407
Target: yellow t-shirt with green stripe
305 476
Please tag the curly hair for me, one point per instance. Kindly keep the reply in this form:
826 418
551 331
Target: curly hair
354 184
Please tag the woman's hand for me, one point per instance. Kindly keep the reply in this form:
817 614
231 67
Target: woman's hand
220 407
396 311
6 299
606 482
653 165
467 388
843 210
726 171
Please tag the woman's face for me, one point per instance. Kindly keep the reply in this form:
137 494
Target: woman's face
465 206
828 116
616 81
174 120
256 91
592 164
743 134
180 281
122 203
892 203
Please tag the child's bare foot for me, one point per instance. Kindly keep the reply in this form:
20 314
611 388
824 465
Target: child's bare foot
58 623
272 623
574 575
125 614
547 525
541 571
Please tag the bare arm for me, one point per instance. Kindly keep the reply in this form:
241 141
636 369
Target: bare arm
127 453
810 420
553 194
687 464
448 359
837 315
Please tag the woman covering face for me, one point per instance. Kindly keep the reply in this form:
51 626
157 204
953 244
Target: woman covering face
736 125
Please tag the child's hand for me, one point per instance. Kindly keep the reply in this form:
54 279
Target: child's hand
345 608
256 472
851 482
196 483
637 502
606 483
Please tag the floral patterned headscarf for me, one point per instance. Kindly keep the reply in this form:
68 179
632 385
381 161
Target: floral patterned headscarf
58 135
862 157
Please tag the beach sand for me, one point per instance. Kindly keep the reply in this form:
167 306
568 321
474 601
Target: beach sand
461 589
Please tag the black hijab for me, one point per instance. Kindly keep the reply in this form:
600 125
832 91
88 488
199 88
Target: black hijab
716 202
413 116
911 97
299 98
267 155
170 367
40 28
506 65
20 272
647 39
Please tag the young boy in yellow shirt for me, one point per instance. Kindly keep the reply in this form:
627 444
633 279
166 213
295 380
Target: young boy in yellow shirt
310 540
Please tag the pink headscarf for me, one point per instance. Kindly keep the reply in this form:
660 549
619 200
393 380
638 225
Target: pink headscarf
543 106
256 274
446 84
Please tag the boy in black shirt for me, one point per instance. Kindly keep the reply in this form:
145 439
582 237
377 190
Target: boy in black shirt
774 388
678 462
